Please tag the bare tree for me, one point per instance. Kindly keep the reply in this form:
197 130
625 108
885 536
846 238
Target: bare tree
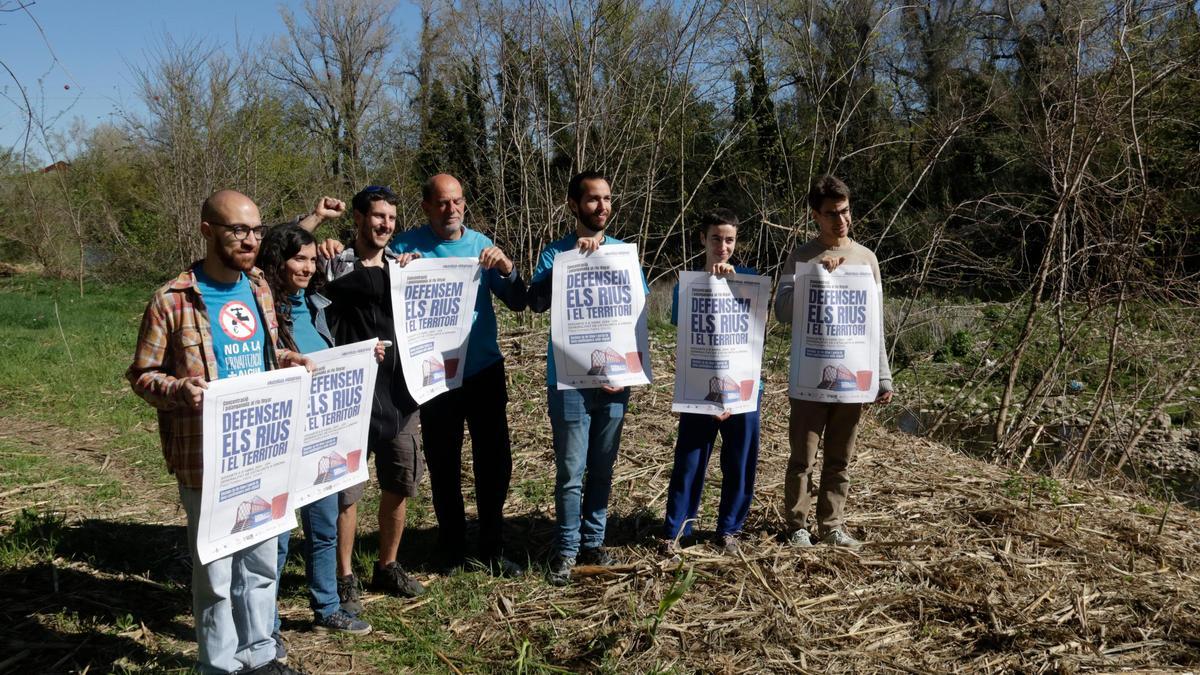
334 63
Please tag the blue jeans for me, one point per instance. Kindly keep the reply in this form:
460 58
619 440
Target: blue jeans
739 461
319 520
233 601
587 434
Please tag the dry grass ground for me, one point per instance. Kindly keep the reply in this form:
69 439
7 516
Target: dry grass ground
968 567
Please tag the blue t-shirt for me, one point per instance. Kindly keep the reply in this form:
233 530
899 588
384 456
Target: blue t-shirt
545 268
235 323
304 331
482 350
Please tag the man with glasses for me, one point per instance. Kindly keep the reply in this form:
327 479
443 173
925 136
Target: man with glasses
360 289
215 320
813 424
481 402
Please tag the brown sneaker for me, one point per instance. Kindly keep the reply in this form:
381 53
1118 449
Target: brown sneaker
729 544
670 550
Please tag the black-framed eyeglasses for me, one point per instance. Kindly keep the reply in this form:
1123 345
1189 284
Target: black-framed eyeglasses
240 231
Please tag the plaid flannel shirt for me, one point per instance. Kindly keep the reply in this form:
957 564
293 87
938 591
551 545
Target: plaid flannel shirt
175 342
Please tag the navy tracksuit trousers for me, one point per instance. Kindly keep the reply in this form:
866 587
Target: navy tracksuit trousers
739 460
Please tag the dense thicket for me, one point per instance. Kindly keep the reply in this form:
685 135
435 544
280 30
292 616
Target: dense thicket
990 143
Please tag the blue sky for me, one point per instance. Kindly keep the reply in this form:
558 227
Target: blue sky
97 43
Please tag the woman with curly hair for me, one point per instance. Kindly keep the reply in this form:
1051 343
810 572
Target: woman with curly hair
288 259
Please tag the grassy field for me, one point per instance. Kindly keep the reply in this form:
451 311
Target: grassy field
970 567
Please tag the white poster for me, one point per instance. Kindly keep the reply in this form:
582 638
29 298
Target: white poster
836 325
719 342
598 319
338 418
433 303
252 433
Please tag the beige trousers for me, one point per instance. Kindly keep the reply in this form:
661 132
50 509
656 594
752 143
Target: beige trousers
810 421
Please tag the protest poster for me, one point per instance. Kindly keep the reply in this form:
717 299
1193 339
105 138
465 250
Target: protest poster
252 433
433 305
598 319
338 418
719 342
837 322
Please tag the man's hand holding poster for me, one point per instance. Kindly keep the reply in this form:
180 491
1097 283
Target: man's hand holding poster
252 433
598 319
837 322
433 302
718 353
338 419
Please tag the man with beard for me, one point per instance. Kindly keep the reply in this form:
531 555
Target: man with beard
360 289
586 423
481 402
213 321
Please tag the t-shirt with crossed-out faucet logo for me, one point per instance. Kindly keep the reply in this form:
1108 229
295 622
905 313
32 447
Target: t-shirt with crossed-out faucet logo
236 329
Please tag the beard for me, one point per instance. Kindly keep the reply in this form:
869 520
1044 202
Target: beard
371 241
590 222
237 260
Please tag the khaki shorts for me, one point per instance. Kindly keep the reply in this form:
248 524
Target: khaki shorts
399 464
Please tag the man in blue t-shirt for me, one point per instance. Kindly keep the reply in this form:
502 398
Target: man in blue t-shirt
481 401
586 423
214 321
236 331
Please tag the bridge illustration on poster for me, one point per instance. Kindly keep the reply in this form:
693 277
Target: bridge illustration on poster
330 467
840 378
608 362
257 511
433 370
725 390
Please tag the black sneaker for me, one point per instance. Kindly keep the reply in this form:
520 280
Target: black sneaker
449 561
500 566
350 594
341 622
280 648
559 573
391 578
271 668
596 555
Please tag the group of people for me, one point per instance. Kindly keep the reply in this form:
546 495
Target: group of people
301 297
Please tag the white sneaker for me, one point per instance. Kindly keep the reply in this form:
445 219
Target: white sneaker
800 538
839 537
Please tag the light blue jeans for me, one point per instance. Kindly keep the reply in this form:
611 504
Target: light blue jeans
319 520
233 601
587 434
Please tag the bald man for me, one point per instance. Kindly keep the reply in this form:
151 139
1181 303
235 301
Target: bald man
481 402
215 320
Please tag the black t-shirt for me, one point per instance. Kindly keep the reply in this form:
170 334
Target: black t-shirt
361 310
